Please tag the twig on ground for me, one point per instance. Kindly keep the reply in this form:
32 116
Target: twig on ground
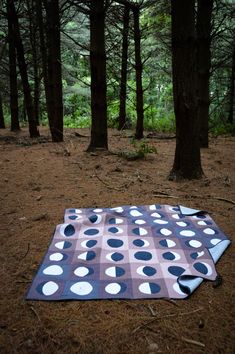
165 195
153 313
195 342
28 248
35 312
165 317
125 185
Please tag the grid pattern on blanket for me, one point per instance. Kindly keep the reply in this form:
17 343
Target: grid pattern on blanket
126 252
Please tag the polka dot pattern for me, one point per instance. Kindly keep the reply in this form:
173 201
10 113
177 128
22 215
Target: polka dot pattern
127 252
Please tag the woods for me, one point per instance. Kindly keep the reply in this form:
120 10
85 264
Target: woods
158 66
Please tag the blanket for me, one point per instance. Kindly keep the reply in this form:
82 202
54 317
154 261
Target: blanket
129 252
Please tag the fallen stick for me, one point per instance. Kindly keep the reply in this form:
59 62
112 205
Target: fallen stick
165 195
167 316
195 342
28 248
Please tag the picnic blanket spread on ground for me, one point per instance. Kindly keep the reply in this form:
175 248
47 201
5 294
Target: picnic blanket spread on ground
129 252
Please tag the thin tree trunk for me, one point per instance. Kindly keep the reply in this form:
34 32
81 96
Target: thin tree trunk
99 135
54 73
14 107
139 133
187 162
33 131
2 122
122 95
231 91
203 27
44 56
34 45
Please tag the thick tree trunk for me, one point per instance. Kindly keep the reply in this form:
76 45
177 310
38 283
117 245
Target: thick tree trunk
231 91
203 27
122 95
14 108
54 73
33 131
2 122
187 162
139 132
99 135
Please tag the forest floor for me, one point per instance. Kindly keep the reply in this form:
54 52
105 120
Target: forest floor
39 179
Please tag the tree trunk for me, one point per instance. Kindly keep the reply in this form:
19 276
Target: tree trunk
139 132
34 45
187 162
14 108
33 131
99 135
44 56
203 27
2 122
54 73
231 90
122 95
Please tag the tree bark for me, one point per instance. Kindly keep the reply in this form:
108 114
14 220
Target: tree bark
54 72
122 95
99 135
203 26
14 107
2 122
231 91
187 161
44 56
33 131
34 45
139 132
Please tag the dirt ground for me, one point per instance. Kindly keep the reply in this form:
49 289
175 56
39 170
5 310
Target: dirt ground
39 179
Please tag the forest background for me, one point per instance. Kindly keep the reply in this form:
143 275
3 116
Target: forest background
46 45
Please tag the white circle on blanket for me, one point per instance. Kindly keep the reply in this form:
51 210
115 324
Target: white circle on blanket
117 209
113 288
195 243
152 207
97 210
161 222
201 222
118 221
53 270
209 231
167 243
142 232
175 216
81 271
187 233
50 288
135 213
140 222
145 288
177 289
133 207
181 223
166 232
60 245
81 288
156 215
56 256
215 241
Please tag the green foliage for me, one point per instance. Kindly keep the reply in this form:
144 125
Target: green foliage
77 121
141 149
219 126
